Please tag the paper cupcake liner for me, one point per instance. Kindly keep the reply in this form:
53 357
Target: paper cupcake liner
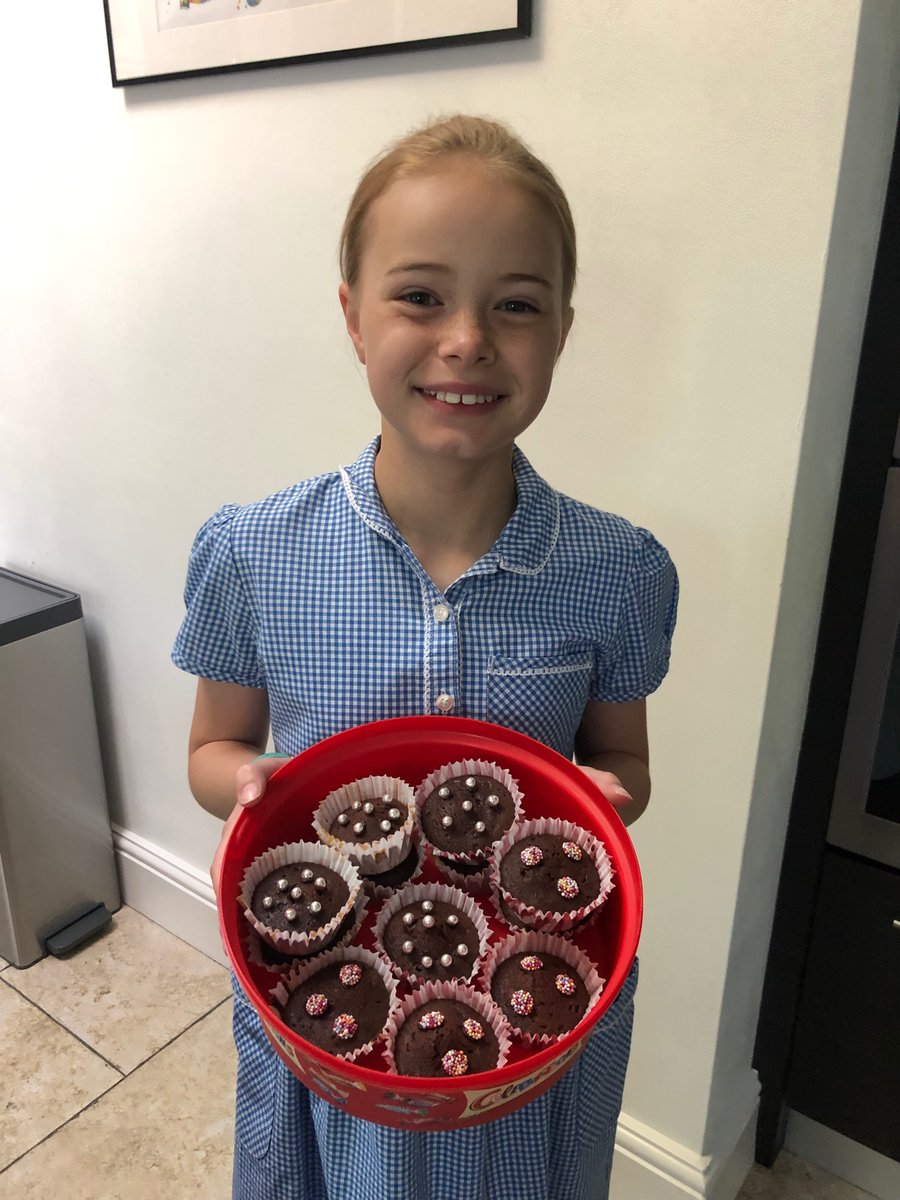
260 954
542 943
280 994
448 989
314 853
381 892
476 884
468 766
431 891
370 857
528 915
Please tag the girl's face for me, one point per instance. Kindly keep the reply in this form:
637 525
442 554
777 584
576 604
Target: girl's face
457 314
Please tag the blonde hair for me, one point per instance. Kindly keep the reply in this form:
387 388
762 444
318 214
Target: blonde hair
423 149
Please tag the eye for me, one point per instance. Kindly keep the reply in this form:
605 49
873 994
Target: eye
419 298
518 306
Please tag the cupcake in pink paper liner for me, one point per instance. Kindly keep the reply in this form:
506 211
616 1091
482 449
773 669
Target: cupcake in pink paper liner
464 808
431 931
542 984
551 874
382 887
340 1001
446 1030
370 821
300 897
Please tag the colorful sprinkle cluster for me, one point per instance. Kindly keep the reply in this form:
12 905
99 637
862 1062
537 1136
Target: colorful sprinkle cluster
572 850
521 1002
473 1029
532 856
344 1027
317 1004
531 962
567 887
431 1020
350 974
455 1062
565 984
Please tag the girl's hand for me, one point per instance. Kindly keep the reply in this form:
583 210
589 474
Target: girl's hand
610 785
250 783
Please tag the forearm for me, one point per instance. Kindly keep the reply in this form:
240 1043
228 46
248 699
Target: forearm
212 768
634 774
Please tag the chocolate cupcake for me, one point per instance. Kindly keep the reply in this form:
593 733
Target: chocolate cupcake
370 821
446 1030
464 808
300 897
542 984
340 1003
551 874
430 931
383 886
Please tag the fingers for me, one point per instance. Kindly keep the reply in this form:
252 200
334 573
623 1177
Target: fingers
610 785
251 779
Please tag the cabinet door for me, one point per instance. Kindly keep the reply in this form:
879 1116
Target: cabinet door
845 1061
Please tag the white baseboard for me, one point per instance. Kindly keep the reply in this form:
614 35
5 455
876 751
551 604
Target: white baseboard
864 1168
647 1165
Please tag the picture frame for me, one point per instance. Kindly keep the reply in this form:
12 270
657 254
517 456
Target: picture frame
153 40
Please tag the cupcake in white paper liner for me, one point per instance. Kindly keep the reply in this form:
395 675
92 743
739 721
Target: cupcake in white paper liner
474 878
538 992
449 1045
551 851
300 896
377 814
337 1019
260 954
382 887
464 808
441 934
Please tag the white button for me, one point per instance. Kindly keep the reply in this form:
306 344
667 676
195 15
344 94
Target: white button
444 702
441 612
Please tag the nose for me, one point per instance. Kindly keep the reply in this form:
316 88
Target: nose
466 338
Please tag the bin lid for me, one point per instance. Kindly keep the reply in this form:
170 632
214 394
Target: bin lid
28 606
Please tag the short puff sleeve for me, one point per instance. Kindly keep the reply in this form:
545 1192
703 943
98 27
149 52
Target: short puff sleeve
218 638
636 662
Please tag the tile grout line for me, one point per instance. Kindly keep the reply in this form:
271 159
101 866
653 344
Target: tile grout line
122 1076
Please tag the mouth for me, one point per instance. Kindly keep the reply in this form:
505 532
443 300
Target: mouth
467 398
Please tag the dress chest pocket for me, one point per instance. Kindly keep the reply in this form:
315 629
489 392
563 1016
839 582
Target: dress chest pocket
542 696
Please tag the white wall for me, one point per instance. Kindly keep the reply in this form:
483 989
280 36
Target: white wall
171 340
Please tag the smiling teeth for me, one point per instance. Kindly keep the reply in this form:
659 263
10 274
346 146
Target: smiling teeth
456 398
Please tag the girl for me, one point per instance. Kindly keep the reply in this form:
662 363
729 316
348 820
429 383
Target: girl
436 574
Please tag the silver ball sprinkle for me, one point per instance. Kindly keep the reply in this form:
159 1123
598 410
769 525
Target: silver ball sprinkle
447 821
394 814
408 919
427 906
462 949
453 919
479 826
343 819
407 947
268 902
426 962
428 921
386 797
356 805
358 827
321 885
368 807
307 875
467 805
385 826
444 792
282 885
297 893
471 783
315 907
493 800
446 960
290 914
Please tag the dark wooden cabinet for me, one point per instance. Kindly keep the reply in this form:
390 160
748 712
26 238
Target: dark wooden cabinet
845 1063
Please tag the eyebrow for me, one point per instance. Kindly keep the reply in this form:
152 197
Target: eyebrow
443 269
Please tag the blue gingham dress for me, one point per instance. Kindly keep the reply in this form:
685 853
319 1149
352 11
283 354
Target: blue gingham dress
314 595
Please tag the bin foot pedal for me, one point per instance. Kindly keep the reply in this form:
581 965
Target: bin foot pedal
87 923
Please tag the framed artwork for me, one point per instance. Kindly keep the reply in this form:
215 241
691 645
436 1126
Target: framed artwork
150 40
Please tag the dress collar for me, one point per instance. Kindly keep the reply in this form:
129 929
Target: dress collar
526 541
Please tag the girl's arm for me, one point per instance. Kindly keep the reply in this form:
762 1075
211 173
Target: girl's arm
611 746
230 728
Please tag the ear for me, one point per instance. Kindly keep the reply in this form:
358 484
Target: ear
568 318
351 318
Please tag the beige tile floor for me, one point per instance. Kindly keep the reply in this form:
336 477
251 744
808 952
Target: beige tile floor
117 1073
